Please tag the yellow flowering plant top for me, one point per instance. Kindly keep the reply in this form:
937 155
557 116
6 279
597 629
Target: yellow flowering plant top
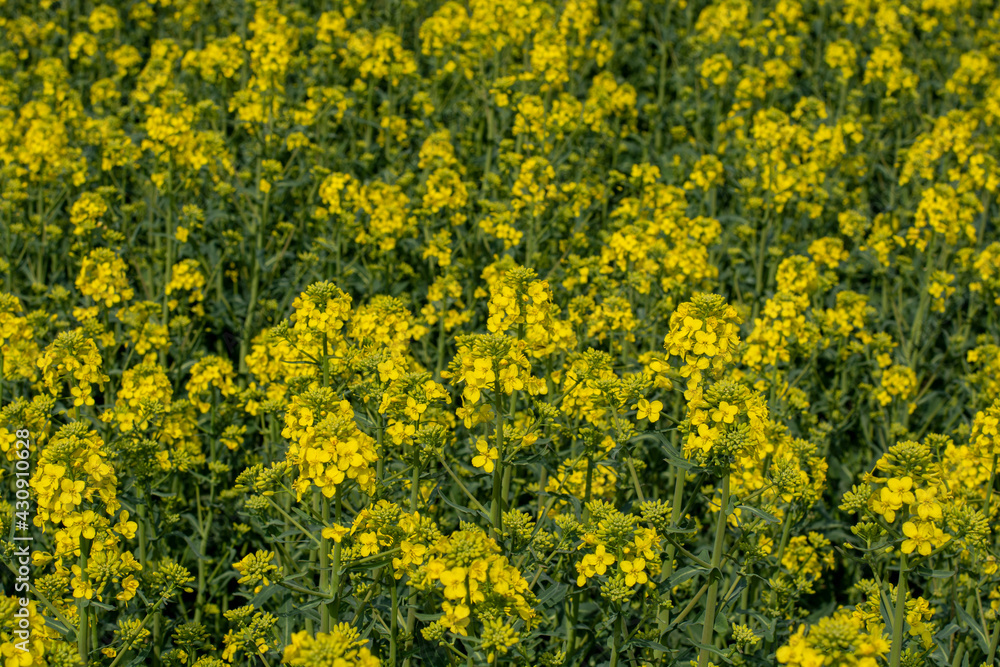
528 333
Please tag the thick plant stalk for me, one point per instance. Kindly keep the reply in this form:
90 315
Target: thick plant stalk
411 613
496 508
83 634
993 642
615 634
573 608
961 649
785 532
896 651
335 573
202 565
663 615
324 568
394 628
325 583
635 481
713 588
989 489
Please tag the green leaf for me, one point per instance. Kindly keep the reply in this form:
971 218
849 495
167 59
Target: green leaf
100 605
572 500
967 618
304 519
947 631
885 607
197 553
59 627
721 627
645 643
463 510
740 585
363 420
675 459
313 603
710 649
769 624
555 593
759 513
933 574
684 574
265 594
679 529
140 657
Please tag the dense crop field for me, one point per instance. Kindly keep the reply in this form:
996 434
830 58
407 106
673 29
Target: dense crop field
499 332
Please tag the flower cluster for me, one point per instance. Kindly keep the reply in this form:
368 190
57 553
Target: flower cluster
841 637
466 569
73 357
73 470
327 447
341 647
621 553
495 363
704 335
210 373
102 277
726 423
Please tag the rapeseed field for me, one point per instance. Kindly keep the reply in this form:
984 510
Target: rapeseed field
548 333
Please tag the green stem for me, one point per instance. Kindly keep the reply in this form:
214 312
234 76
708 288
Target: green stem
143 538
205 526
83 631
335 574
324 566
245 334
993 643
684 552
291 519
411 613
300 589
989 489
744 598
571 620
962 648
615 633
415 484
663 614
897 623
462 486
708 626
759 266
490 137
394 622
380 465
785 531
635 480
142 625
439 362
496 509
923 305
690 605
